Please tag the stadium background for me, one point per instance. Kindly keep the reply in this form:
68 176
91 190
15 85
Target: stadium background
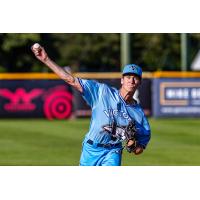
26 99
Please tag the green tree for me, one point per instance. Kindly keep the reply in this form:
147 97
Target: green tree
90 52
83 52
15 54
156 51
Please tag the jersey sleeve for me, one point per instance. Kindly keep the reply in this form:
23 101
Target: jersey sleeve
91 91
143 134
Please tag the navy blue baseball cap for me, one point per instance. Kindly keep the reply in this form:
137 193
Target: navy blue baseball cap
132 69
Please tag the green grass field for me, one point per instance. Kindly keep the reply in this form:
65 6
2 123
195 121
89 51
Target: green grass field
174 142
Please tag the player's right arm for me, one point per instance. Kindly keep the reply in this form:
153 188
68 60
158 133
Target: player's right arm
41 55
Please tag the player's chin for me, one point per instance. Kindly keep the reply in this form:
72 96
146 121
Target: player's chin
130 89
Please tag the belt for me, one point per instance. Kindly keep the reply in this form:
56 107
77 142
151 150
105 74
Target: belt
104 145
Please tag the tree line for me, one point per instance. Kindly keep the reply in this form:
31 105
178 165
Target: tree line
94 52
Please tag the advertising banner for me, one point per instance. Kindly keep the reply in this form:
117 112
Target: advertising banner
178 97
54 99
51 99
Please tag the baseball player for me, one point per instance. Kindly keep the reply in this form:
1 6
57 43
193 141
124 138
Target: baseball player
117 118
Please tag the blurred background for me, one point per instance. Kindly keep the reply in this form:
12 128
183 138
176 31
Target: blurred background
100 52
43 121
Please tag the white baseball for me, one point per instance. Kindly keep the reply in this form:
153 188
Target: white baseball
36 46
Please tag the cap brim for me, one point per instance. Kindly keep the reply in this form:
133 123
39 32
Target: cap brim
129 73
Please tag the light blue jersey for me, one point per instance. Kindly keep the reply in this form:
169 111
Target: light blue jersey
110 117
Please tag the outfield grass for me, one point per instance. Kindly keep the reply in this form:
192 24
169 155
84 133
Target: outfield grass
58 143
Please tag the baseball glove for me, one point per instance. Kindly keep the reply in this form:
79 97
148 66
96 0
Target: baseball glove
130 132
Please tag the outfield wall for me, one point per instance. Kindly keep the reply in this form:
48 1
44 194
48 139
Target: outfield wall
44 95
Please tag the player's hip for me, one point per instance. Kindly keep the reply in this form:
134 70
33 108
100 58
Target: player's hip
96 154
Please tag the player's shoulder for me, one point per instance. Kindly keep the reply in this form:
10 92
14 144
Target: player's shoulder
89 83
109 88
85 81
103 87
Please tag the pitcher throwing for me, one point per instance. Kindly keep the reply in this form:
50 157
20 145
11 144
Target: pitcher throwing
116 115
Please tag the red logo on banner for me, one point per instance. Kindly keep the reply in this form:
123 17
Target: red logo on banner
57 103
20 100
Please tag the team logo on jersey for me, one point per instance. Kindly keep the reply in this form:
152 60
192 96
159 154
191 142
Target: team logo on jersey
117 132
116 113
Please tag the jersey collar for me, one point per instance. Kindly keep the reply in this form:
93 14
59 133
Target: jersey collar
126 104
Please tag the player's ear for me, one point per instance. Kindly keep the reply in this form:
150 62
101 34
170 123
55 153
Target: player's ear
122 80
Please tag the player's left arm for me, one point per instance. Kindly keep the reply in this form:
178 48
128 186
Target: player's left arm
143 133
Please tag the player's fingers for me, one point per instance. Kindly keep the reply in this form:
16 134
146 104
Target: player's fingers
37 52
32 49
138 151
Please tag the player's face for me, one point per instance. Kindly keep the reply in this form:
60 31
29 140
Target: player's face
130 82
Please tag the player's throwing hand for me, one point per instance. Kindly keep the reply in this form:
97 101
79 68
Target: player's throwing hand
39 52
